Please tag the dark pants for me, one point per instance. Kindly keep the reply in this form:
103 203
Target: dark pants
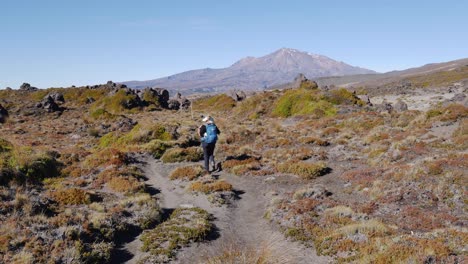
208 154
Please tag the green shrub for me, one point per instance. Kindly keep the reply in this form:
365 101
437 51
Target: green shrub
182 154
107 140
157 147
5 146
302 102
433 113
343 96
102 114
217 103
144 134
116 103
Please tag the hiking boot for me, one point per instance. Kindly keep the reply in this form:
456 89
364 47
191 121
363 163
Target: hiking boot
213 168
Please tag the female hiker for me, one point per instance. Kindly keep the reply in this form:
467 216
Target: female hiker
208 133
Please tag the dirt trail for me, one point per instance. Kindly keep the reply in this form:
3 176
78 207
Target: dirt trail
241 223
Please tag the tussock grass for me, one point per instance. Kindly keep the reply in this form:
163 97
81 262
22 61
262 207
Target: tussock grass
306 170
216 103
182 154
185 225
210 186
268 251
189 173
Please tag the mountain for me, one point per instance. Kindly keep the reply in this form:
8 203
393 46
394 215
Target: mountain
252 73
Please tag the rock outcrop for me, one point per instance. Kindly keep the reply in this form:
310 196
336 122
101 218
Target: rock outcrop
3 114
237 95
49 103
27 87
365 99
57 97
400 106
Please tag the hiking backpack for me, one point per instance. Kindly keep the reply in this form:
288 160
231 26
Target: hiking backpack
211 133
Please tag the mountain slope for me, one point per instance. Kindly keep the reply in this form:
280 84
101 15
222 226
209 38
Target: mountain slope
253 73
434 75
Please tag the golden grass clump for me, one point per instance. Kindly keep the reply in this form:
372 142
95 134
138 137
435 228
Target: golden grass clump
209 187
314 140
72 196
125 184
306 170
242 166
189 173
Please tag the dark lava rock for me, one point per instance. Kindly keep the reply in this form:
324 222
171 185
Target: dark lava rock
27 87
3 114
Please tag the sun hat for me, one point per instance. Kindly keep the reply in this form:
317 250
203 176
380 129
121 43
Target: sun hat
208 119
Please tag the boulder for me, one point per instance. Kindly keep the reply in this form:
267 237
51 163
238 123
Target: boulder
90 100
27 87
125 124
154 94
384 107
400 106
237 95
302 82
173 104
459 97
163 94
365 99
184 103
3 114
57 97
49 104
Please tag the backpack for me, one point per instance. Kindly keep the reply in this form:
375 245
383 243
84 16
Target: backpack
211 134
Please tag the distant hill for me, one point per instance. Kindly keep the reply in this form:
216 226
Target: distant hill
429 75
252 73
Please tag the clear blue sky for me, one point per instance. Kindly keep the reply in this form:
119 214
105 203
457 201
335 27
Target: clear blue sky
62 43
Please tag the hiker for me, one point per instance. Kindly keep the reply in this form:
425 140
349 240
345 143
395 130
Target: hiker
208 133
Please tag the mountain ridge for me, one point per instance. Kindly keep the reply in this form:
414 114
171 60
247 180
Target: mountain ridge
253 73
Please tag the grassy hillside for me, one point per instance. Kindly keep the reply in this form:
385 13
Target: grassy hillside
376 187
